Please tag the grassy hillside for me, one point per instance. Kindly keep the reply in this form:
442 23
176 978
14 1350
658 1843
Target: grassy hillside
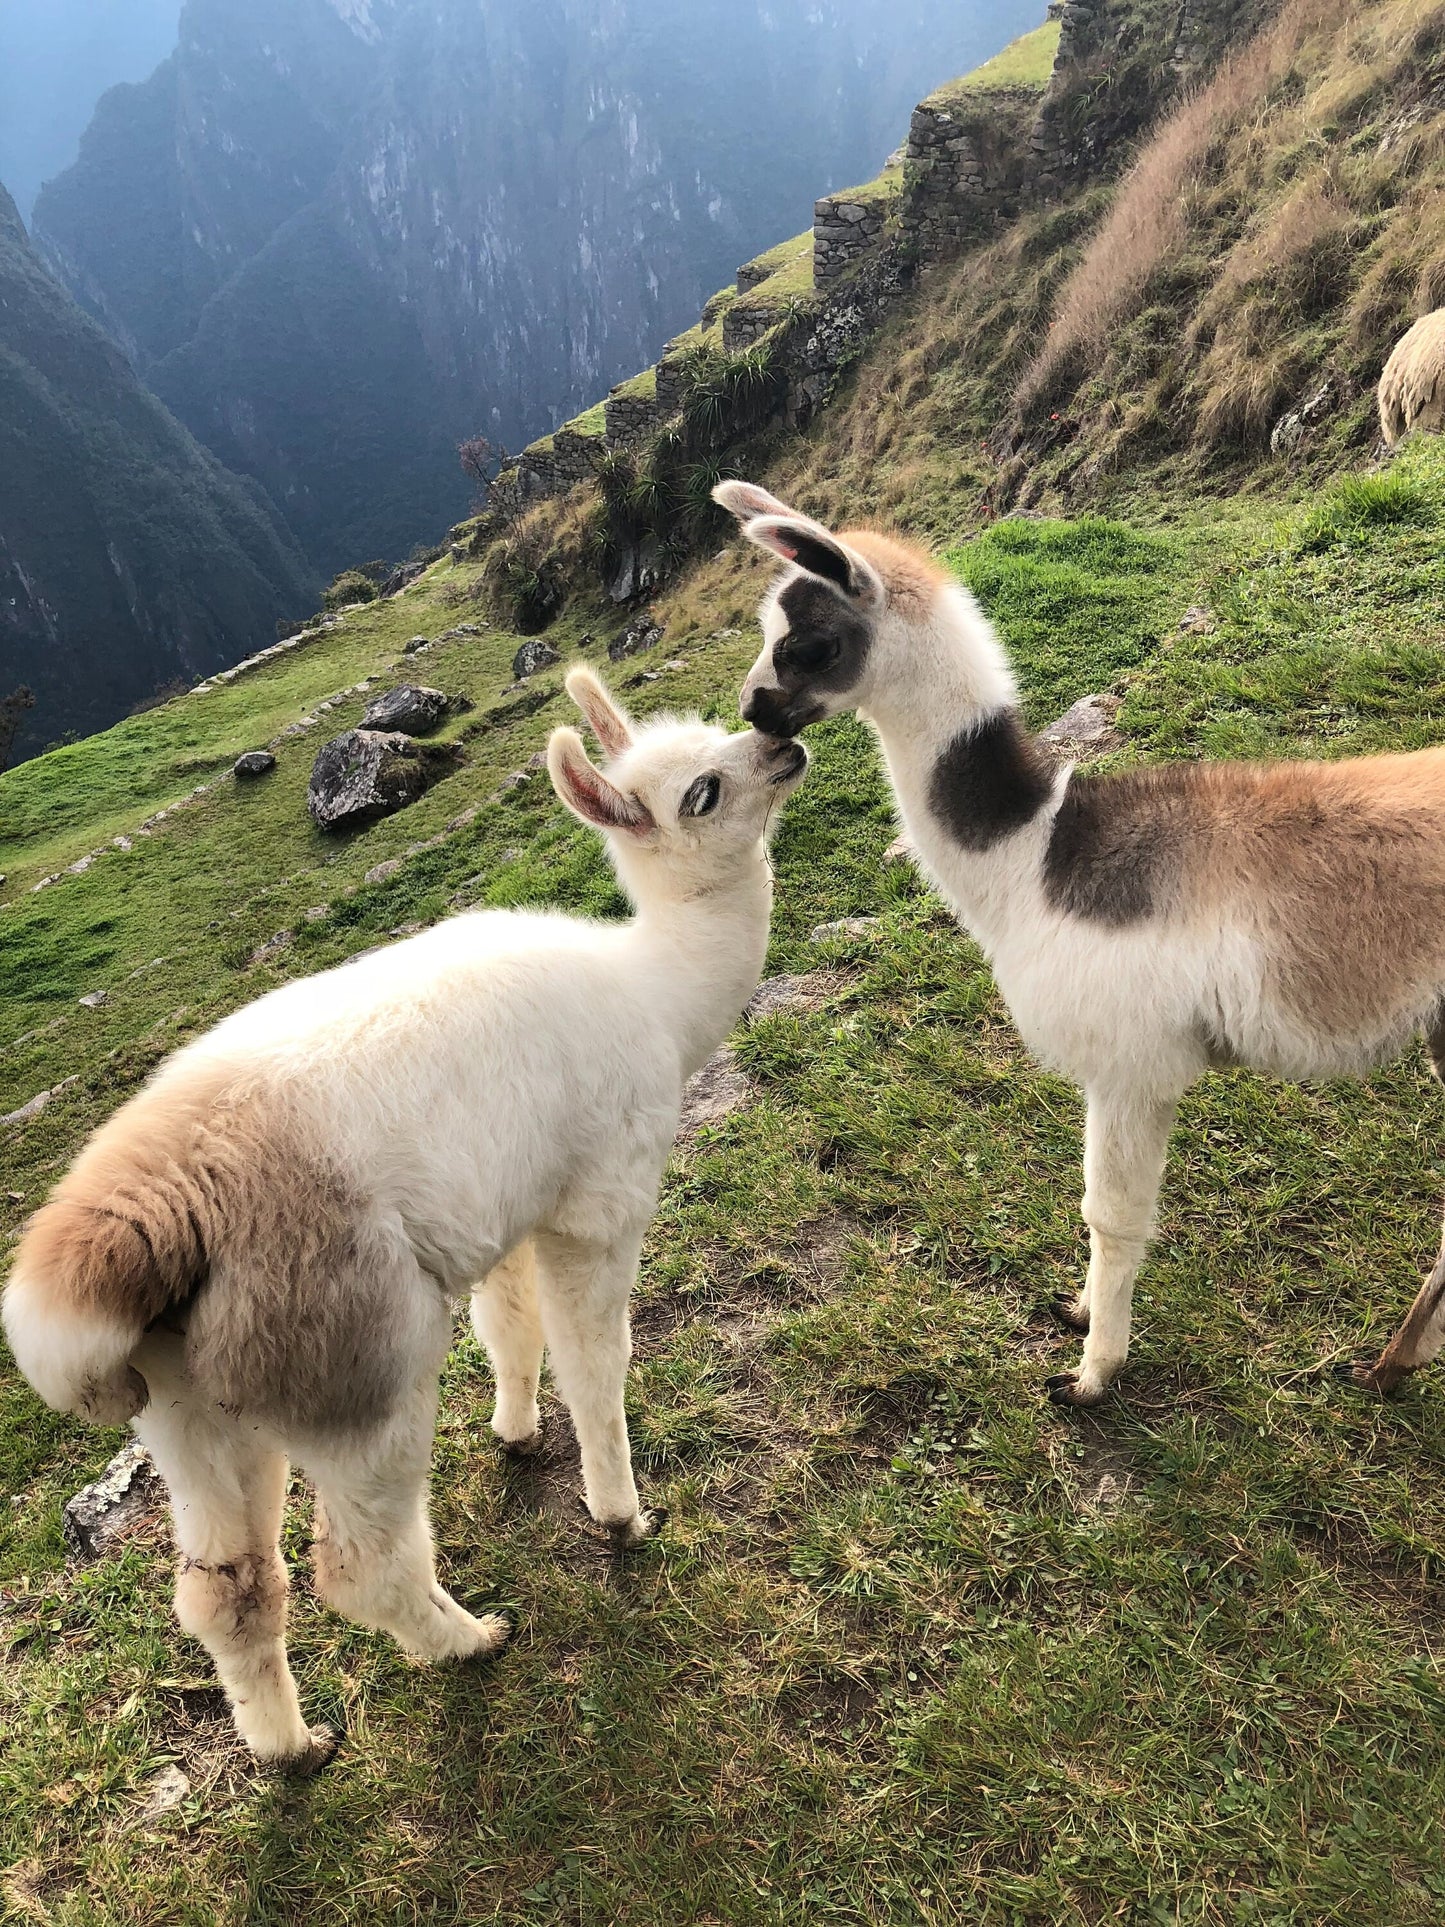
915 1646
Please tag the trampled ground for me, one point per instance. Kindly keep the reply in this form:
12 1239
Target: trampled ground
915 1646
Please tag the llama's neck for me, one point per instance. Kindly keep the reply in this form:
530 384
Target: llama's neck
702 956
972 786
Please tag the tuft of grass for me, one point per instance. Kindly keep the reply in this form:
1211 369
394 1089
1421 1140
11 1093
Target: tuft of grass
1358 504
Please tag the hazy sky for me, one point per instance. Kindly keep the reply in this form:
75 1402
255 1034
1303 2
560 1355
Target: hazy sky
57 57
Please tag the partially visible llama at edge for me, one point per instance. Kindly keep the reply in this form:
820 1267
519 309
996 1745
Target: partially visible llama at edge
1143 927
255 1260
1412 388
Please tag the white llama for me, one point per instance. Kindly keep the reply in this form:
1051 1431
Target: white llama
1143 926
255 1259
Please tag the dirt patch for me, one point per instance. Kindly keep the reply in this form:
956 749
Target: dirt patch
206 1748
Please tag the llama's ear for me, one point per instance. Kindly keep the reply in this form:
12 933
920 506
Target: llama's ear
609 723
746 499
587 792
809 544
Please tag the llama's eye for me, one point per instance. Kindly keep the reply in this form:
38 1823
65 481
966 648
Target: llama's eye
811 652
702 796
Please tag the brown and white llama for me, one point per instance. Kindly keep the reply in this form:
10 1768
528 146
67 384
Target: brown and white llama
1143 927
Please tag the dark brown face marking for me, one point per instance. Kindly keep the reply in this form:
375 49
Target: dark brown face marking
1118 843
990 781
822 654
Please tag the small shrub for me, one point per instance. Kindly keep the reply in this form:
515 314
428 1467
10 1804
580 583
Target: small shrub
352 585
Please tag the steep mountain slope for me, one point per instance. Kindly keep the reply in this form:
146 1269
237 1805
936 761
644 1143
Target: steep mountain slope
128 556
374 229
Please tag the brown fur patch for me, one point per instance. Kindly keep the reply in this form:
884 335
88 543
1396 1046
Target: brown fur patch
1337 868
908 572
208 1205
1346 863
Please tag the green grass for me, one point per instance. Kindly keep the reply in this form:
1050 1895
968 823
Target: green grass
1025 63
915 1647
592 421
784 254
887 186
640 387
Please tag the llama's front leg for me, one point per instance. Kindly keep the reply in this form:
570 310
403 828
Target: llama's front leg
1126 1138
583 1290
507 1322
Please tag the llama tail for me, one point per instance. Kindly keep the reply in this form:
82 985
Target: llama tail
97 1264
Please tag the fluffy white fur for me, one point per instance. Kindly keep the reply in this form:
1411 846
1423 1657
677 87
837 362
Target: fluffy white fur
500 1095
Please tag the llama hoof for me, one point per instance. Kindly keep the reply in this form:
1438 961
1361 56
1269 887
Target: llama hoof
648 1523
500 1627
1067 1313
1065 1388
526 1448
324 1741
1370 1378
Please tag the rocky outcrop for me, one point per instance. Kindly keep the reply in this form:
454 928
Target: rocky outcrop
254 763
413 709
363 774
531 657
644 634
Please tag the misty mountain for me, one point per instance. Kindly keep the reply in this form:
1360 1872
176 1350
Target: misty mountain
335 236
128 556
56 59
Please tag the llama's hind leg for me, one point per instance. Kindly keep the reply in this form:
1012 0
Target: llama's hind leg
227 1493
1419 1339
508 1324
374 1557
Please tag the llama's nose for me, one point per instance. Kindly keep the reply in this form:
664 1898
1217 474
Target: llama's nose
765 710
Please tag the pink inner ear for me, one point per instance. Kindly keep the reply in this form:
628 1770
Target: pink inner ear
786 548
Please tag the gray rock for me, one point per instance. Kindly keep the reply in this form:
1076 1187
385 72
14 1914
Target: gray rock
416 643
366 773
379 872
128 1491
532 656
843 927
93 999
1197 620
412 708
1293 429
718 1089
1087 729
38 1103
641 635
800 992
900 850
255 762
164 1791
272 947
